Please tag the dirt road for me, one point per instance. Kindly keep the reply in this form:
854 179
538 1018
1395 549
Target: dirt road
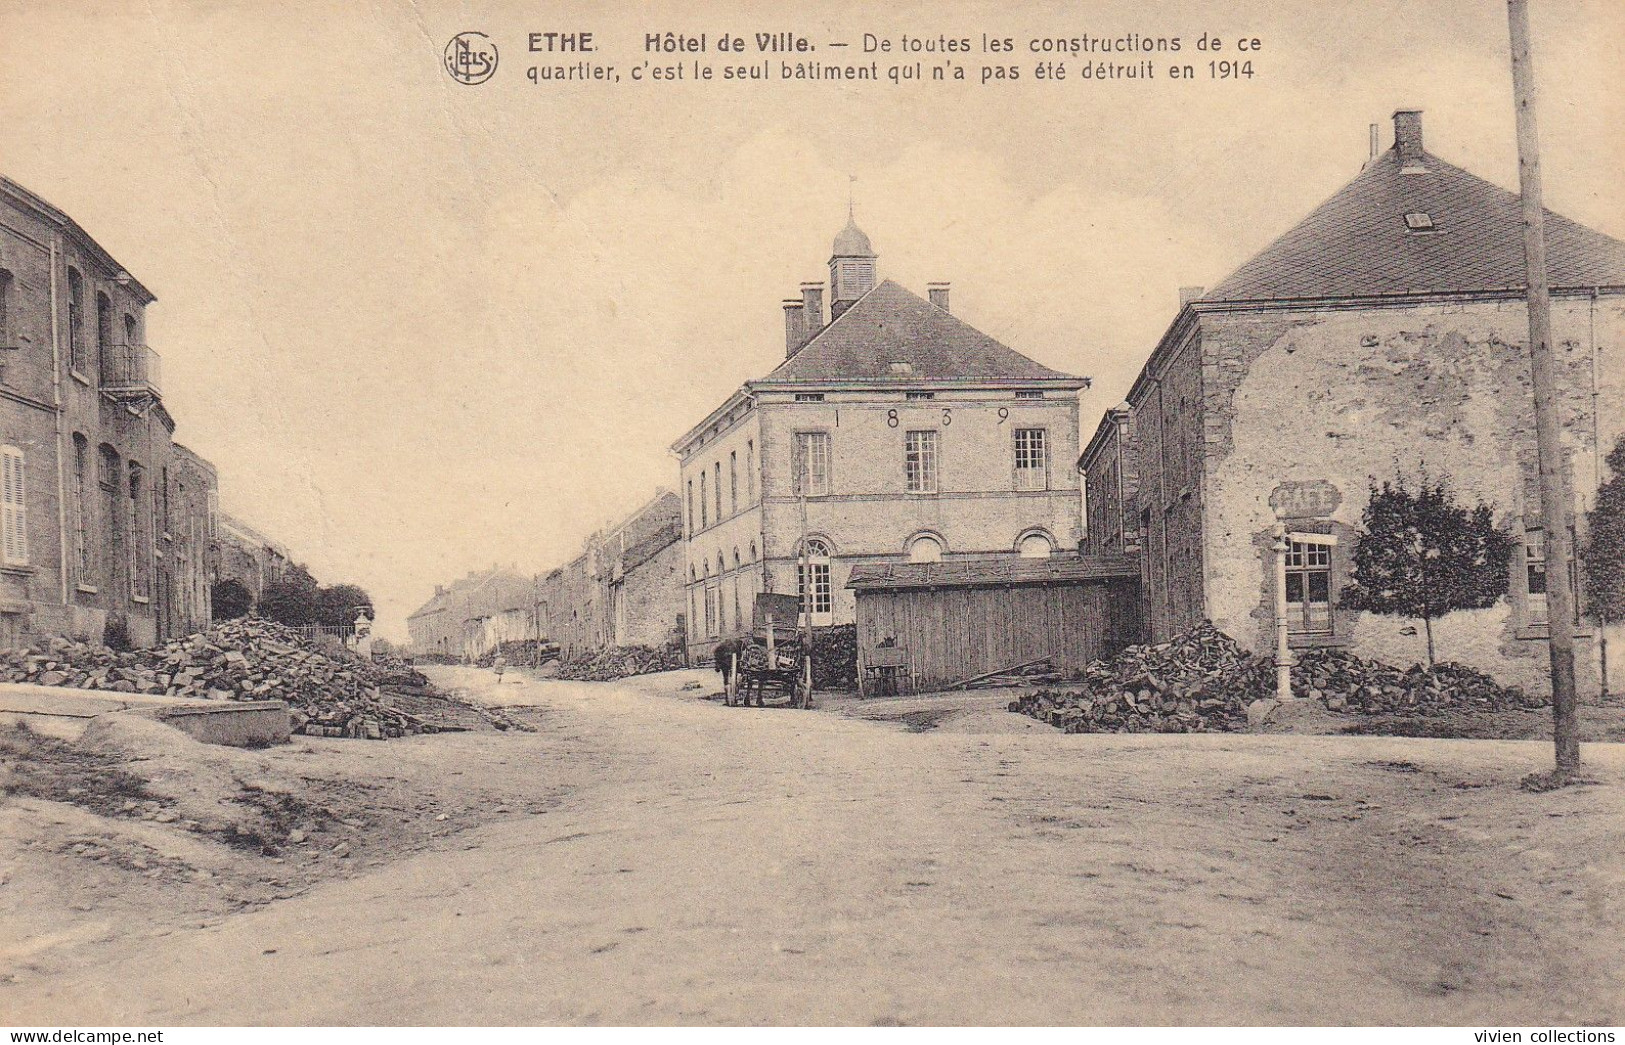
712 865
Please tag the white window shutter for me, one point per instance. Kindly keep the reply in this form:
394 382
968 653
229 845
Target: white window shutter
15 518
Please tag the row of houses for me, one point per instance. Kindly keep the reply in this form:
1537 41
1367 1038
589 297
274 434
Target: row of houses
108 523
903 471
622 590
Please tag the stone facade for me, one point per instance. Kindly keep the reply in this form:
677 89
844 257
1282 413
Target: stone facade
1383 336
99 530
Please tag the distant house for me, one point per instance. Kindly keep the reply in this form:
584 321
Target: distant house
892 432
456 622
249 557
1387 330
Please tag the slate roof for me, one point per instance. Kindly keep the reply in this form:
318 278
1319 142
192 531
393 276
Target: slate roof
1357 244
891 325
982 573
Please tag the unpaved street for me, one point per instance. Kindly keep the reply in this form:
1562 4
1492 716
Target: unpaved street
699 864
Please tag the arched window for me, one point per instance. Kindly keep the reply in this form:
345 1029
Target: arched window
737 561
925 548
722 565
817 598
752 551
1036 546
693 575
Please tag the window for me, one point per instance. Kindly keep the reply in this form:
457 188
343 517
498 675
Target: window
705 518
1032 459
812 463
163 501
809 397
76 320
713 609
737 561
920 462
752 551
733 480
925 548
813 584
716 470
750 471
139 588
130 337
1035 546
914 396
1309 584
691 506
1032 393
81 505
14 515
1534 565
1417 221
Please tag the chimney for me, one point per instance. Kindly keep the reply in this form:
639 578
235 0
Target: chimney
1408 139
1189 294
812 310
792 327
938 293
440 589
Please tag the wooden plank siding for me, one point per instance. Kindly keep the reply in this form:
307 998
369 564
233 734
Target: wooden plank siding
952 634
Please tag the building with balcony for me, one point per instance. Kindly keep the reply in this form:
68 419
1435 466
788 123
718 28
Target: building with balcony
107 522
892 432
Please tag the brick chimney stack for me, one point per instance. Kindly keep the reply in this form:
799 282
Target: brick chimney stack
1189 294
938 292
1408 139
793 332
812 310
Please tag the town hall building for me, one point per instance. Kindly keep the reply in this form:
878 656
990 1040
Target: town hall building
892 432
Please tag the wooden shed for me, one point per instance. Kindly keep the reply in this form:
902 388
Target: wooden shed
959 619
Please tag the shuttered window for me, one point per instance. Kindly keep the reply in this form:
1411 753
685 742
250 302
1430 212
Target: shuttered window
14 519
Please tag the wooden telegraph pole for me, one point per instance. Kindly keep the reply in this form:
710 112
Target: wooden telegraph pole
1556 499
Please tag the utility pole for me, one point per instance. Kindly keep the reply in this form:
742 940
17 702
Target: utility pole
1556 499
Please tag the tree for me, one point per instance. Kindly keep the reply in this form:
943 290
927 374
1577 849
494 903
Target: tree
230 599
288 602
1422 555
1604 553
336 606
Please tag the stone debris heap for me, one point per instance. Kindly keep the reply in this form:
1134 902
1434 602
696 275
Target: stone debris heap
1204 681
330 691
617 662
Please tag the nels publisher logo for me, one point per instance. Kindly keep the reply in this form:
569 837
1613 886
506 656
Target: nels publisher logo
471 58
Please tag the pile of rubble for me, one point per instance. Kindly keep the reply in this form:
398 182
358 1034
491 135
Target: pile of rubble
516 652
1200 682
330 692
1204 681
617 662
1344 682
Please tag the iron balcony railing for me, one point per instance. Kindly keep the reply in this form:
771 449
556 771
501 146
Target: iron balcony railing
131 368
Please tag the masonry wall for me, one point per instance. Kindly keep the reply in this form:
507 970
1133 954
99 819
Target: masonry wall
869 516
1342 396
114 571
1167 443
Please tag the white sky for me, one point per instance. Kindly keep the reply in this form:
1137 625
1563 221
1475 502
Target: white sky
422 327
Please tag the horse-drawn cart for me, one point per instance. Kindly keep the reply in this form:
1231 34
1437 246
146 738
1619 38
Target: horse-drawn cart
775 657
